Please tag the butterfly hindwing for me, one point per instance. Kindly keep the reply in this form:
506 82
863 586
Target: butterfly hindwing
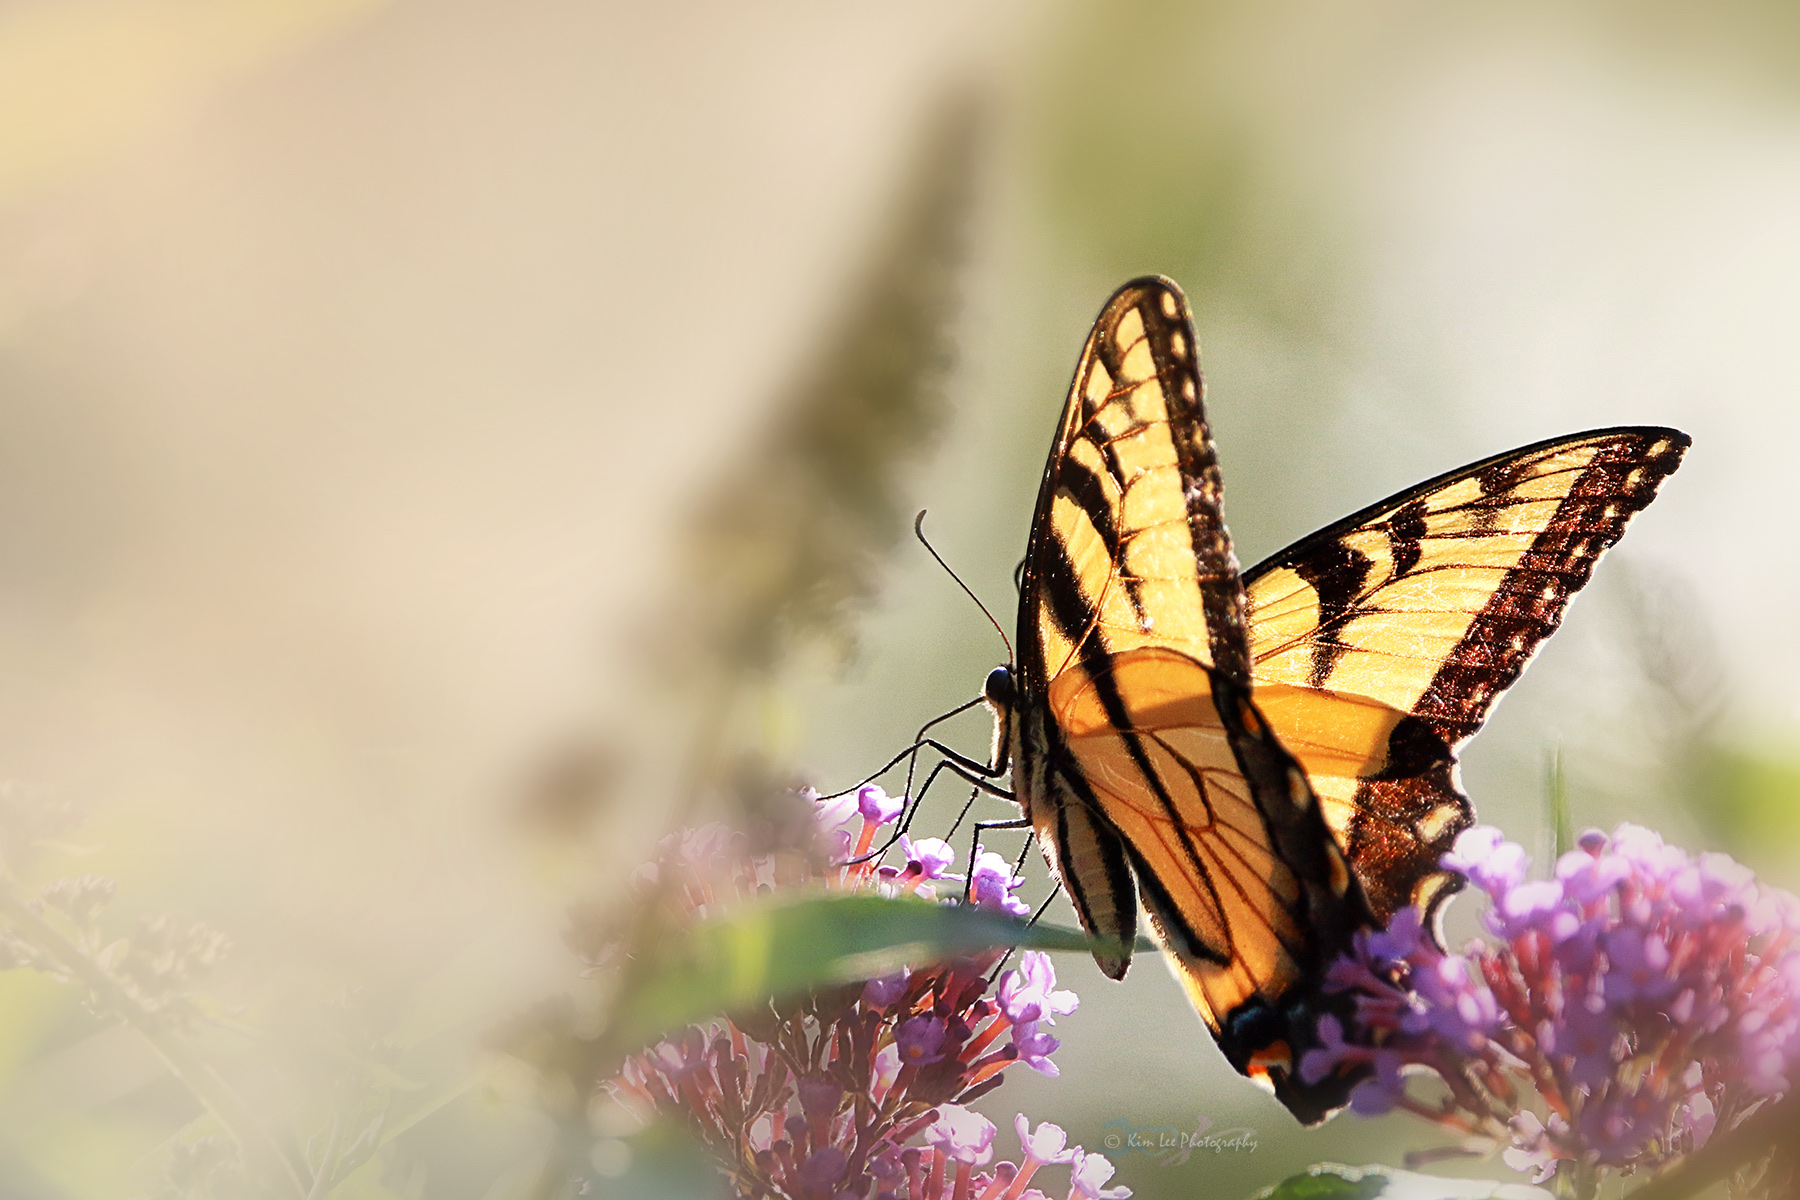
1088 857
1242 879
1379 644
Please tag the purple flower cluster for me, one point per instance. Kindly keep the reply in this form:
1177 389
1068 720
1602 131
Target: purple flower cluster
959 1141
1647 998
857 1091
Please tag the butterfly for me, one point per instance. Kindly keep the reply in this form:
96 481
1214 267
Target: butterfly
1265 760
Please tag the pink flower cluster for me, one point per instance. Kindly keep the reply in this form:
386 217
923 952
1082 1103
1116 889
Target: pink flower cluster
960 1141
857 1091
1647 998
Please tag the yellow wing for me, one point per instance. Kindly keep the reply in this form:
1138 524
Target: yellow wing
1135 749
1128 546
1379 644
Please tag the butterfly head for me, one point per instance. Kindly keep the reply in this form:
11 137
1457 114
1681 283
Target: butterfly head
998 691
1001 692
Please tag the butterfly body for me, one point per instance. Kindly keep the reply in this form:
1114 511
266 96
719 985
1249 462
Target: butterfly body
1265 760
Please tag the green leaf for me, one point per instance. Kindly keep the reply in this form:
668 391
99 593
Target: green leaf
1329 1181
782 948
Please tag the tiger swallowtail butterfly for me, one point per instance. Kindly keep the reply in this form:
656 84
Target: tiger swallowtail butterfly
1266 759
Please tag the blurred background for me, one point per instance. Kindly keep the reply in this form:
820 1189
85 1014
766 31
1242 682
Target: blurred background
441 443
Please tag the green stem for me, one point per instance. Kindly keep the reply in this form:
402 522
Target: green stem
260 1150
1577 1181
390 1132
1556 801
327 1164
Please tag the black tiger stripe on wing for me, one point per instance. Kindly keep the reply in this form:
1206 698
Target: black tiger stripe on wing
1056 633
1083 485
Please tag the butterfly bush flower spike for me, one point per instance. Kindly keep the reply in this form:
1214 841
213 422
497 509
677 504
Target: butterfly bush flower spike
861 1091
1647 998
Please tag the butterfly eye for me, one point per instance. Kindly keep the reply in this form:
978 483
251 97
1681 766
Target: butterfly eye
998 690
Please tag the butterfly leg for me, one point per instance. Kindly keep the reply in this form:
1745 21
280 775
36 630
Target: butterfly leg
1019 864
1035 917
964 764
919 742
980 775
975 846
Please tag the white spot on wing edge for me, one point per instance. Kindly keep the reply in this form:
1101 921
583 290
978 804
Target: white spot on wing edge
1432 825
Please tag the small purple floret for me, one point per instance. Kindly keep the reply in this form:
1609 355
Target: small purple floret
877 806
1490 862
1088 1176
1047 1145
1029 993
921 1041
823 1168
834 812
991 882
881 993
928 858
963 1135
1034 1048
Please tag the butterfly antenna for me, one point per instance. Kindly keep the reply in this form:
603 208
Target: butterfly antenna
919 532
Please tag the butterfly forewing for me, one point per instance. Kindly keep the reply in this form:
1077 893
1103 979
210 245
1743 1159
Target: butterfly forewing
1129 543
1379 644
1135 739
